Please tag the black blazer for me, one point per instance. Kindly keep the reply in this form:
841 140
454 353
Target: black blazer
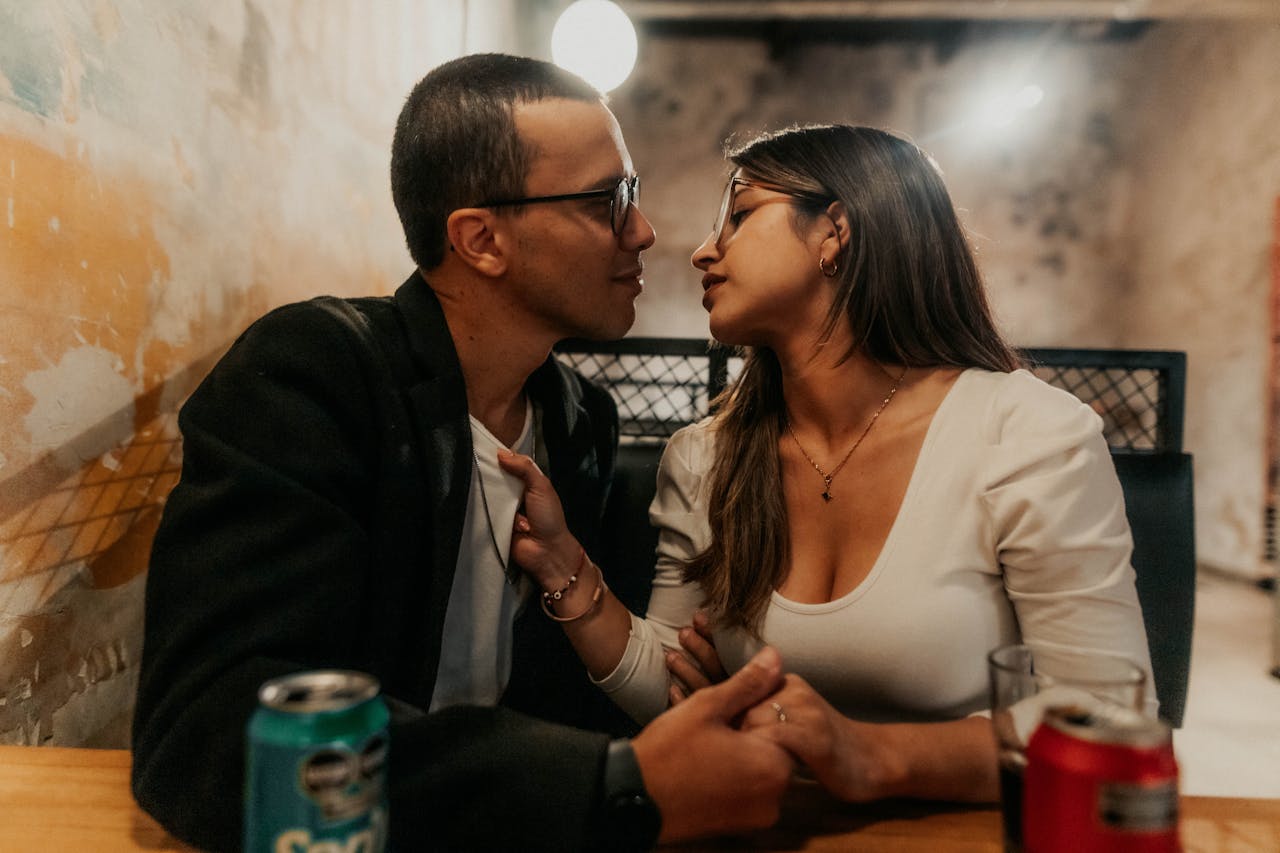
317 525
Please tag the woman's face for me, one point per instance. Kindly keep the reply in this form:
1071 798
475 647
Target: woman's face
761 283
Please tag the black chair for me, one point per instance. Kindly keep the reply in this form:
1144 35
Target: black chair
1158 498
629 539
1140 396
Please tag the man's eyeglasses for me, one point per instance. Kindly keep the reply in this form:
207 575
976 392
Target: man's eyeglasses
731 190
621 197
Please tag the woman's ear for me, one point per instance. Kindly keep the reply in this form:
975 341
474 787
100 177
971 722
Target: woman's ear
477 238
838 232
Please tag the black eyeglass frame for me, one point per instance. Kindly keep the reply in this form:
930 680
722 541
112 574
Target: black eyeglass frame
726 201
622 195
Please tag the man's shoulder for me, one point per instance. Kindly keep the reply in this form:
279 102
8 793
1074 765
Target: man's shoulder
315 321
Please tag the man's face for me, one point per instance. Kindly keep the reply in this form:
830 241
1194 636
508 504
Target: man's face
569 272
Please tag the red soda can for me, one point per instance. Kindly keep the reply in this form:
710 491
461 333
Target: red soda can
1103 780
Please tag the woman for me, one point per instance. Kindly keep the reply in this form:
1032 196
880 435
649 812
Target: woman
882 494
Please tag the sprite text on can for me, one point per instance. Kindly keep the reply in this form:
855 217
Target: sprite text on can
316 765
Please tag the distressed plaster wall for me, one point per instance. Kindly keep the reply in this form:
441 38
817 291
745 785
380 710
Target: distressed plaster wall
1131 208
168 171
1044 199
1206 178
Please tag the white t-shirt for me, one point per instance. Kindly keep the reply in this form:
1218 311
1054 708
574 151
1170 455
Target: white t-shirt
475 653
1012 528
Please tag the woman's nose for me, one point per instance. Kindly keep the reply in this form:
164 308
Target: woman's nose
707 252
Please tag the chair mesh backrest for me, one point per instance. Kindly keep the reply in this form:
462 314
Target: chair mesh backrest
662 384
1138 393
659 384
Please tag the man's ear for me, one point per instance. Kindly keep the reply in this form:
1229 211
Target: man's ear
477 238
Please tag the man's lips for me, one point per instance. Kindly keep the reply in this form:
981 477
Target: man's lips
709 281
636 273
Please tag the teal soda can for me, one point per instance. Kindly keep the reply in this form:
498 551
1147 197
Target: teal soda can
316 765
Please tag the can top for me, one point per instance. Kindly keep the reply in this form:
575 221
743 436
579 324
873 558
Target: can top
318 690
1109 724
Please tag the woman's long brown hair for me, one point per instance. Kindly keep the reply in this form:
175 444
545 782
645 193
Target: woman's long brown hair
911 294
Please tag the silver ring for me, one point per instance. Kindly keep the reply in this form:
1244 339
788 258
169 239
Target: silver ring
777 709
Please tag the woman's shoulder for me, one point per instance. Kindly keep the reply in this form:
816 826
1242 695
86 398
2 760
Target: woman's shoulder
691 448
1019 405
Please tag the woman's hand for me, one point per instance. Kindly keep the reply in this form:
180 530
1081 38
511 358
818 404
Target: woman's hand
540 539
844 755
699 666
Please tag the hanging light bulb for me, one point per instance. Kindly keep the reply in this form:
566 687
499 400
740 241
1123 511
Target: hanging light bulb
595 40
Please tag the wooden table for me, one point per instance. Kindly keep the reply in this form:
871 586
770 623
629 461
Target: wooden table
78 799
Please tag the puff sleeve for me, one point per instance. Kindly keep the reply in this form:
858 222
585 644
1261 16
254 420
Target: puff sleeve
1058 522
639 683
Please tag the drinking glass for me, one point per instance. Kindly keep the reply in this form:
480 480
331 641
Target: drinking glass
1028 680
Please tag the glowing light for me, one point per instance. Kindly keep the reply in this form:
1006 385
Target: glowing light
1003 109
1028 97
595 40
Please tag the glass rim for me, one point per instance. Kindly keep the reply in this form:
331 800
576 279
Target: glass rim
1135 675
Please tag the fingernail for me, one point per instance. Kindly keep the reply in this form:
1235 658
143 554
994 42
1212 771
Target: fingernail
522 525
768 659
685 632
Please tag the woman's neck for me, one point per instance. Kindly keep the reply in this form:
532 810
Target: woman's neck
829 400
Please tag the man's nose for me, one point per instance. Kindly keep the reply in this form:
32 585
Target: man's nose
638 234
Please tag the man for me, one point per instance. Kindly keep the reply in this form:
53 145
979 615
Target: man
336 509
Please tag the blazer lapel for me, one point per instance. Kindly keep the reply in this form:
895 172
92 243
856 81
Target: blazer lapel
438 406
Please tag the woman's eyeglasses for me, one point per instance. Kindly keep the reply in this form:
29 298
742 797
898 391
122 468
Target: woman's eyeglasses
621 197
731 190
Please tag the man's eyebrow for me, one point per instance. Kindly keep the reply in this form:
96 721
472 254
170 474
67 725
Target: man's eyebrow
606 183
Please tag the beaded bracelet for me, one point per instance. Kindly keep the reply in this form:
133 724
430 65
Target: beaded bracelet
601 589
548 597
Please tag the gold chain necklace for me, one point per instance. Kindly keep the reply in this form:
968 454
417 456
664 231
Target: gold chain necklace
827 478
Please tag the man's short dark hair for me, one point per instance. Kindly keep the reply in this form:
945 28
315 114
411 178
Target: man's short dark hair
456 143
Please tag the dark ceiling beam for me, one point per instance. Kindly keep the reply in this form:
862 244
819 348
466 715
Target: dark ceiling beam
1117 10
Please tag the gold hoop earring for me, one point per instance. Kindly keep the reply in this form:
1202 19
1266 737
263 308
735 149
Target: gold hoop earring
822 265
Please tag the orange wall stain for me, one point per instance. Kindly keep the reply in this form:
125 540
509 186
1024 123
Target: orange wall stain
78 257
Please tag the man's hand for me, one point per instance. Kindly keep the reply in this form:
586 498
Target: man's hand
706 776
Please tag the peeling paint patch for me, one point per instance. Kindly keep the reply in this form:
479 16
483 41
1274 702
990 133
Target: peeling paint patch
31 62
82 245
85 389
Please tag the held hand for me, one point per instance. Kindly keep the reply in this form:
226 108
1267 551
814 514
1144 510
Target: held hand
700 665
705 776
540 541
843 754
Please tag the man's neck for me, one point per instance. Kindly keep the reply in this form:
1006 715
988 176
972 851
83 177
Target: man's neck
497 353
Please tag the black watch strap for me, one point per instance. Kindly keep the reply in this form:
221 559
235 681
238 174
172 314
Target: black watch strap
626 819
